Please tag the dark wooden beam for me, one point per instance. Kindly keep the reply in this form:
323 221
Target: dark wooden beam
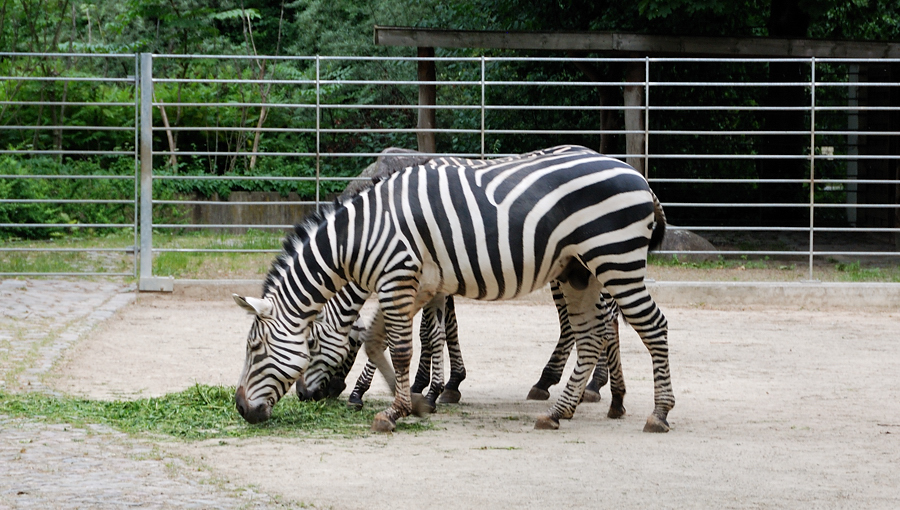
427 97
622 44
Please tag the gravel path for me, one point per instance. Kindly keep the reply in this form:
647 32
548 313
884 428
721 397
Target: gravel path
58 466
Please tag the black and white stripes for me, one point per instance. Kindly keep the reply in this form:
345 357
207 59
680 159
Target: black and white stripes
492 231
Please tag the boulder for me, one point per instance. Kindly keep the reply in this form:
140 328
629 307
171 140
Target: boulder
685 240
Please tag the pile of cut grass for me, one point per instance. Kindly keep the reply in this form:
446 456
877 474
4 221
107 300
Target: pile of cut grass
198 413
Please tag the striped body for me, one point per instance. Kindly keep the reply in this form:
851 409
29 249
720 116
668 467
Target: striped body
494 232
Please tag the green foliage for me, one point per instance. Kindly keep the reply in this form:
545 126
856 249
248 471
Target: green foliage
344 27
198 413
47 189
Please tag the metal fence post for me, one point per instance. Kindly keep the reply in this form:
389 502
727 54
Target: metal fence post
812 165
147 281
483 103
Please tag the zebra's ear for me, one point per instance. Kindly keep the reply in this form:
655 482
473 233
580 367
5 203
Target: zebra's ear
256 306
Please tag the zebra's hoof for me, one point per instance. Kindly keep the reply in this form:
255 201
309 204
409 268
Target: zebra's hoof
354 401
656 424
616 407
590 396
382 423
546 422
449 397
615 412
538 394
420 405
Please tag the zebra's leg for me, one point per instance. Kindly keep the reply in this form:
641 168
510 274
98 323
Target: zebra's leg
451 393
584 322
601 371
399 309
433 333
373 339
362 386
554 368
616 379
338 382
641 312
423 373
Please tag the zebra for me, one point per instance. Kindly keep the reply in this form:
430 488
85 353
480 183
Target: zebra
579 217
318 373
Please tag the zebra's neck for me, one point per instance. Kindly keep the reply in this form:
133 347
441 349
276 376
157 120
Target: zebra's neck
309 271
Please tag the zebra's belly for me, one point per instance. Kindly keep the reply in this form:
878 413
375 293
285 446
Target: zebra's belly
484 283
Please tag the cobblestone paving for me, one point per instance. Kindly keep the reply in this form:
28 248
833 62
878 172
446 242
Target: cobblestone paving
59 466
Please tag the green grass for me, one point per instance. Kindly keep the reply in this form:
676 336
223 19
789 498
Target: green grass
41 260
854 272
201 412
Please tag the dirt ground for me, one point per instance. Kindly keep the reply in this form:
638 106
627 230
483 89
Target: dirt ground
775 408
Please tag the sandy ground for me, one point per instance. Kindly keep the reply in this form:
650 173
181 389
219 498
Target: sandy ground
774 409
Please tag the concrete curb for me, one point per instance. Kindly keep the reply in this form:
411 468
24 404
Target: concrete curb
808 295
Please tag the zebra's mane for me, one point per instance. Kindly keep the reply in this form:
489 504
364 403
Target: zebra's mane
302 232
304 229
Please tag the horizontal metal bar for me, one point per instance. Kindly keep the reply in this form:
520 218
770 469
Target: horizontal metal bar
127 249
701 108
324 130
70 153
325 106
67 274
320 57
726 156
732 204
63 103
254 178
738 229
856 206
211 226
218 202
326 82
66 54
213 250
62 201
66 225
734 252
97 79
857 229
728 181
857 253
117 177
71 128
771 181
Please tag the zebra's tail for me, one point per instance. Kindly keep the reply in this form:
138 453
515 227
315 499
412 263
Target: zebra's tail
659 230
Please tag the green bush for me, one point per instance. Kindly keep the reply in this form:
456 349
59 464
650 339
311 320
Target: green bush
38 188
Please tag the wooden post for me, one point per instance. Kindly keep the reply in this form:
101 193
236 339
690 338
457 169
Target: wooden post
634 119
427 97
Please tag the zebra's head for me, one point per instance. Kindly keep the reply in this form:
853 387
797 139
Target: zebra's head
276 357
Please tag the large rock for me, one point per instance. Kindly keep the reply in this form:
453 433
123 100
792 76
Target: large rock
685 240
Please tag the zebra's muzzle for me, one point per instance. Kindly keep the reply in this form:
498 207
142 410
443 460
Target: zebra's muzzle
249 412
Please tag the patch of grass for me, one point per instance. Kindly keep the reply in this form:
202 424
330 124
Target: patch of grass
43 260
200 412
854 272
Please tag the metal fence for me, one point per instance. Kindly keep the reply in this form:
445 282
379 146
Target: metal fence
800 165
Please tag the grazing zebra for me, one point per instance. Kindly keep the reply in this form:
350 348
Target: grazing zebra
314 386
579 217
